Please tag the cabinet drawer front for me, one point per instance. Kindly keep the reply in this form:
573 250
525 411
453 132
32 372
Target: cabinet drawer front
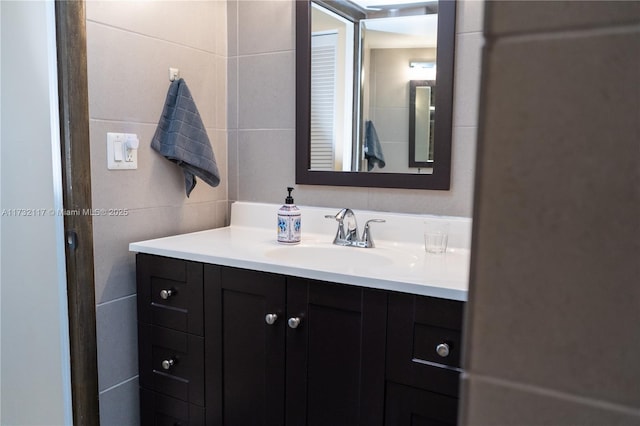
170 293
427 339
172 363
424 342
407 406
161 410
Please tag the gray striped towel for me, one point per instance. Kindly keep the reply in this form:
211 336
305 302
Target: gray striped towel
181 138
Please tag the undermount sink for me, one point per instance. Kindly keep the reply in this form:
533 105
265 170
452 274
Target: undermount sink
339 257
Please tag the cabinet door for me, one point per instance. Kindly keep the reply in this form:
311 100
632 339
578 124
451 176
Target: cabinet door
245 354
407 406
335 356
160 410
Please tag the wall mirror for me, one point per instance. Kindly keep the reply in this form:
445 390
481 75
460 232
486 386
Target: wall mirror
360 67
421 122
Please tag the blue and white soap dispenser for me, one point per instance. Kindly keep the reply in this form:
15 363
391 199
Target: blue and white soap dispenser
289 221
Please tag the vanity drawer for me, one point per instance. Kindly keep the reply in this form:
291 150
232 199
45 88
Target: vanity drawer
436 344
170 293
424 342
172 363
408 406
161 410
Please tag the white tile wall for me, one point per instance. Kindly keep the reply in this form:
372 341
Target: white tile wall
466 89
274 16
135 69
164 21
265 90
265 156
131 45
238 59
264 93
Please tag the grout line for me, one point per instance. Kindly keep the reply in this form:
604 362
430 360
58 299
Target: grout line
576 33
282 129
271 52
142 123
548 392
116 300
119 384
462 33
107 120
188 204
150 37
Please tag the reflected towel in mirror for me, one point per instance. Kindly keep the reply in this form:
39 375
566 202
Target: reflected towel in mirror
372 148
182 138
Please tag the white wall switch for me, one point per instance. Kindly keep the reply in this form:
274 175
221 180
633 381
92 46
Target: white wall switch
117 151
122 151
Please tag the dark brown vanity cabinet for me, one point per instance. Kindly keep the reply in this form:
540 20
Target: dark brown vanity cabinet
294 351
229 346
423 360
171 338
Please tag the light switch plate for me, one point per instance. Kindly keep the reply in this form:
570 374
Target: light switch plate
119 139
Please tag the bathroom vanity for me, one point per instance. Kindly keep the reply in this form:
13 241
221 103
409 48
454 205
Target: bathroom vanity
235 329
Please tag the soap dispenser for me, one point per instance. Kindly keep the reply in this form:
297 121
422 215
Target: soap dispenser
289 221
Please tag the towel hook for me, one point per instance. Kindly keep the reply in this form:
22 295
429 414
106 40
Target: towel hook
174 74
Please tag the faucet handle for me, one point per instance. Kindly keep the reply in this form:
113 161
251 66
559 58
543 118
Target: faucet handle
340 232
367 239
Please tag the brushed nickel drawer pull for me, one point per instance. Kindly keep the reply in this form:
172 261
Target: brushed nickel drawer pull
168 363
165 294
270 318
294 322
443 350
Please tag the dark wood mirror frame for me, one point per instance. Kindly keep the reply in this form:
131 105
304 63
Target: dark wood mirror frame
441 177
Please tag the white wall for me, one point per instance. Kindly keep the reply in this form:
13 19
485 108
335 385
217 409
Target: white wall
35 369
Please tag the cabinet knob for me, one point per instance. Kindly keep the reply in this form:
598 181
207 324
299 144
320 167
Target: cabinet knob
443 350
168 363
270 318
294 322
165 294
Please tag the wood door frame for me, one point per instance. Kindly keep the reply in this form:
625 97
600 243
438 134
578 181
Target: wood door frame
71 43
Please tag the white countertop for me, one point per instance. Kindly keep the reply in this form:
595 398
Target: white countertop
391 265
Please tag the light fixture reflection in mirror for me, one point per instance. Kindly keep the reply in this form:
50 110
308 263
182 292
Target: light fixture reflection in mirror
422 70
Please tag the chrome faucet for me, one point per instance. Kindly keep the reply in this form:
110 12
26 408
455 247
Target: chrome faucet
347 234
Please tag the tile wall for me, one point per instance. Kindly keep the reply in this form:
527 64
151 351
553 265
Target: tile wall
556 306
238 58
261 116
130 46
552 325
